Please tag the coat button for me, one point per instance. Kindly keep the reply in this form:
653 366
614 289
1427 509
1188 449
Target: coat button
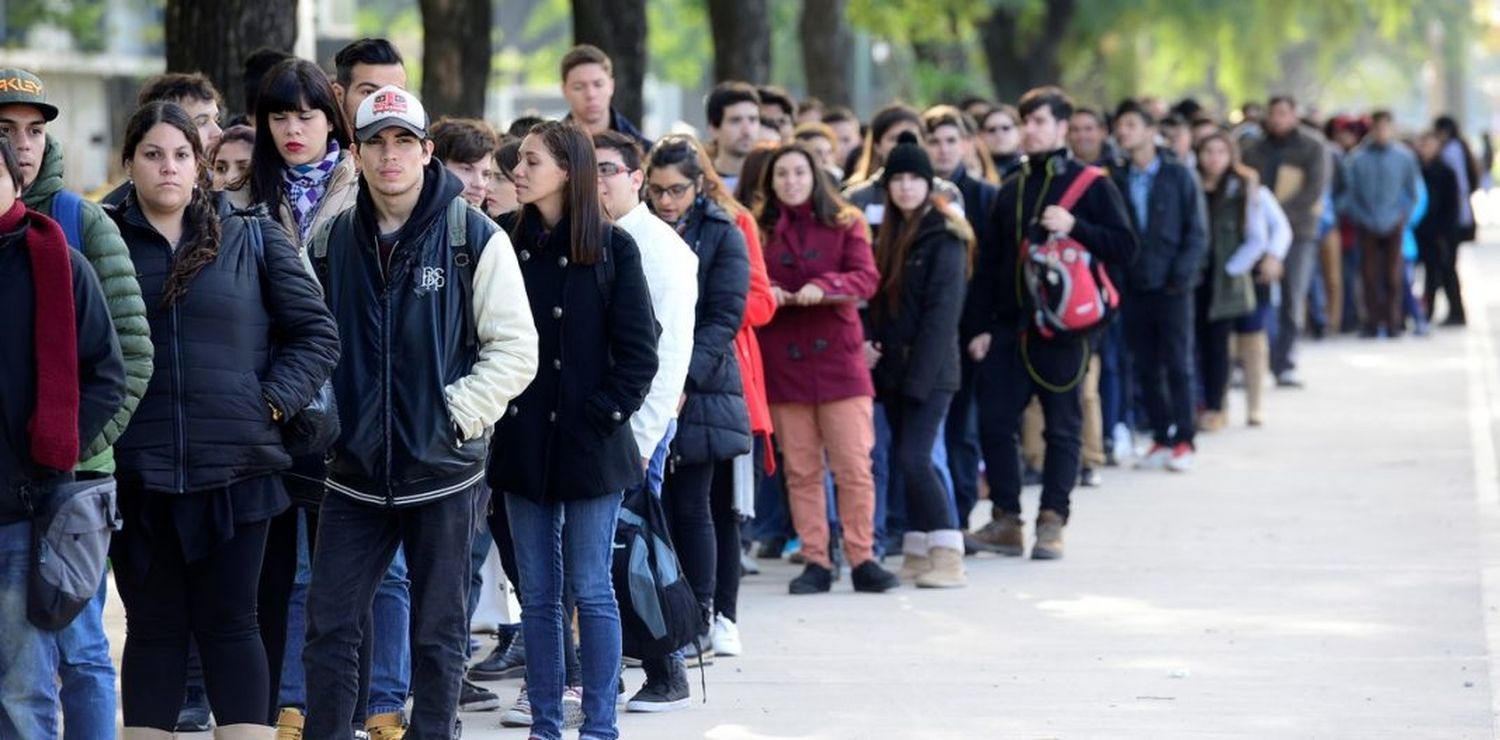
562 261
557 312
552 417
616 416
525 255
557 364
514 410
820 344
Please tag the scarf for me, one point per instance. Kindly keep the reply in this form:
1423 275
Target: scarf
54 421
305 186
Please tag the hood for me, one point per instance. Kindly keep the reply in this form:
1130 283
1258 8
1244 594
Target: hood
439 188
935 221
49 178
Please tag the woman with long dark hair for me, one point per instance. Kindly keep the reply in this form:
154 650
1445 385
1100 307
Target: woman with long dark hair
564 451
1247 231
243 340
301 171
924 254
818 384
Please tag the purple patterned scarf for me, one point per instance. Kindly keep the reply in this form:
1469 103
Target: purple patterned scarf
305 185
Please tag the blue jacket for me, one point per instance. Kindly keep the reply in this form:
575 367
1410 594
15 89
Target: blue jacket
251 330
1380 186
1174 244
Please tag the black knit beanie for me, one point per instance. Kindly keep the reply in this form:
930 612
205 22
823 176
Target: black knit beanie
907 156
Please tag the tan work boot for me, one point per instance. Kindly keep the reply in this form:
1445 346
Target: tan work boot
289 724
385 726
1049 536
1212 421
1003 535
245 731
947 562
914 560
1254 352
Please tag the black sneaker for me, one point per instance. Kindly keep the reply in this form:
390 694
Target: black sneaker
771 549
193 717
869 577
475 698
815 579
666 689
502 664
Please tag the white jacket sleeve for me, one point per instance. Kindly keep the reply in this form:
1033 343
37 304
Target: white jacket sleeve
672 274
507 342
1257 236
1279 241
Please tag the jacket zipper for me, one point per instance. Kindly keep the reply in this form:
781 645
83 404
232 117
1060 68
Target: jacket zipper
179 428
385 375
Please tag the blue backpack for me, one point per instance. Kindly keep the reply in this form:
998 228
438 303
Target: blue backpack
67 211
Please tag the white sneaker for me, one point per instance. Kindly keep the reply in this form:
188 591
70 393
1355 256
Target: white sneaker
1124 442
1156 459
519 714
1182 459
726 637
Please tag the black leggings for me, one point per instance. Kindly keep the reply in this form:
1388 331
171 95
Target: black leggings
1213 351
685 496
914 429
213 600
727 538
277 574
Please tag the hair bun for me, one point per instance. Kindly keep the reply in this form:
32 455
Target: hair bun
907 137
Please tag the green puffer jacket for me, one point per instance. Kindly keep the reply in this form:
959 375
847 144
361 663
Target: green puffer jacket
106 251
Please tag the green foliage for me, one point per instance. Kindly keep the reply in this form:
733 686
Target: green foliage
83 19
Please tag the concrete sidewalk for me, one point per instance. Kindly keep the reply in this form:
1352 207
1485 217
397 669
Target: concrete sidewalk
1324 576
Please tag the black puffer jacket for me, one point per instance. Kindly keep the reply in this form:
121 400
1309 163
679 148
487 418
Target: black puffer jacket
714 423
251 329
919 339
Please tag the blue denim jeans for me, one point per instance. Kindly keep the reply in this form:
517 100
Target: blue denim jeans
293 678
28 656
390 669
88 674
570 542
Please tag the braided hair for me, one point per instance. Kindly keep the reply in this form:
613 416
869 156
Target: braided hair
200 218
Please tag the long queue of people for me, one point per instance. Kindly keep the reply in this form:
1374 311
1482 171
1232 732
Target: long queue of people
806 337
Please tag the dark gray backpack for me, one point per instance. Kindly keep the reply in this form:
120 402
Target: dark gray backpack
72 522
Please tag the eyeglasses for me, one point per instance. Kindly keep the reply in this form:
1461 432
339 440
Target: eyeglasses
676 191
1000 129
610 169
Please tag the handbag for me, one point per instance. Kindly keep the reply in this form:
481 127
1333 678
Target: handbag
314 429
72 522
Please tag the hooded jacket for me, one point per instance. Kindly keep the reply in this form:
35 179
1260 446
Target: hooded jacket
429 364
918 339
107 254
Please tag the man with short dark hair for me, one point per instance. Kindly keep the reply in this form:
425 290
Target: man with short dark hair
1170 218
778 113
845 127
253 70
1016 361
733 125
588 83
196 96
401 287
1380 184
1088 135
466 146
362 67
1294 164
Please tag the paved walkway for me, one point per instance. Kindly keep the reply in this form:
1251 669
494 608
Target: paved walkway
1330 575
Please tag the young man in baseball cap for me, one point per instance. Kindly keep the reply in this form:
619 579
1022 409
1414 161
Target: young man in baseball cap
88 676
437 340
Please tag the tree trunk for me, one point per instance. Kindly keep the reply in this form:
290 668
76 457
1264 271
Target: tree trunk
455 57
827 51
215 37
619 28
1018 62
742 40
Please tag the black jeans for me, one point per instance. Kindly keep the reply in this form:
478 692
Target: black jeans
355 545
726 594
914 429
168 599
961 437
1441 255
1004 388
1159 327
277 574
685 497
1213 351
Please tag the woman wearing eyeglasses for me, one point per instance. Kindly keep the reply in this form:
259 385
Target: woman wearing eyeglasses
725 408
1001 132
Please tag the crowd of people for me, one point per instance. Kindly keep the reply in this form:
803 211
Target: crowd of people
334 352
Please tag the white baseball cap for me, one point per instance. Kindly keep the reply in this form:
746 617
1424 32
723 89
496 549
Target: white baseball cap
386 107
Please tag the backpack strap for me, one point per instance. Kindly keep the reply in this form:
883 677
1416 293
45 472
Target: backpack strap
1079 186
67 211
465 259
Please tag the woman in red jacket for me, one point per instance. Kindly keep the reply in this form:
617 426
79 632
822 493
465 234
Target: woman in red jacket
819 261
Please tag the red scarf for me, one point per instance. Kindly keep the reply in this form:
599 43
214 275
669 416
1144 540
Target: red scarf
54 423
